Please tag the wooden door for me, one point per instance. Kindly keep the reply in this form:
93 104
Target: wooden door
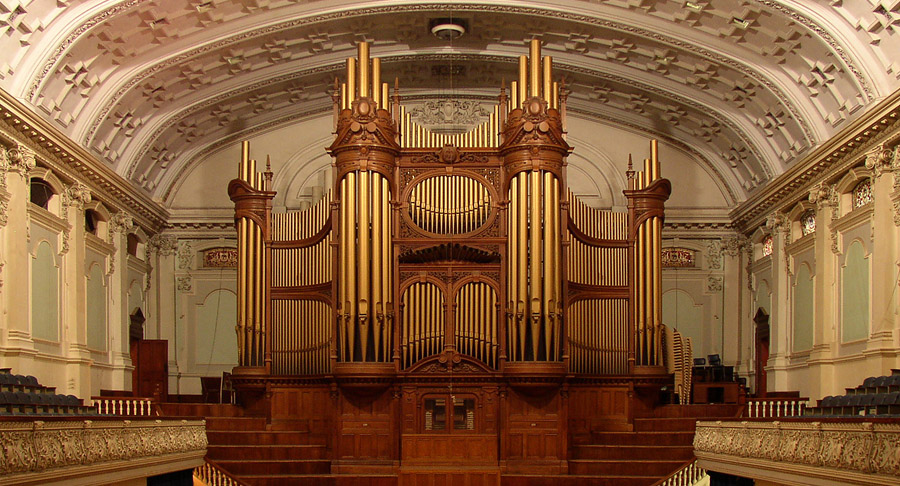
151 357
762 350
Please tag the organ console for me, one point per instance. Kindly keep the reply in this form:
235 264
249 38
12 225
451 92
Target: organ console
451 260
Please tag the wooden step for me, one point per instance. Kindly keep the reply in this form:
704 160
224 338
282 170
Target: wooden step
266 452
320 480
576 480
277 467
643 438
254 438
236 423
629 452
618 467
667 424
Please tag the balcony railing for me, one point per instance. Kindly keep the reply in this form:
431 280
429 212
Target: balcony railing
775 407
211 474
690 474
125 406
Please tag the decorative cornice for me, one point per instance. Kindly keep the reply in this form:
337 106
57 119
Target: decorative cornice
879 126
21 127
35 452
869 453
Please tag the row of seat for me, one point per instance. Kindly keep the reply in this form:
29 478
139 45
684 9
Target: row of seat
854 405
23 395
877 384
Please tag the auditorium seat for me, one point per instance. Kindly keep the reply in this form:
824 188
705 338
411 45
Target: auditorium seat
24 395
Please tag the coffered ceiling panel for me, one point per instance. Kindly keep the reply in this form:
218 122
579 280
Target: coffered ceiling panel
748 86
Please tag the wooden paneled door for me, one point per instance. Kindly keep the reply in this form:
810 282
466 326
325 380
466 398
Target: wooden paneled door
150 358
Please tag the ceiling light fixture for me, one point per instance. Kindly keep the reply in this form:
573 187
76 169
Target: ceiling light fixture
448 29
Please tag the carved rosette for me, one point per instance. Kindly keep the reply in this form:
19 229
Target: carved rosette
533 140
366 140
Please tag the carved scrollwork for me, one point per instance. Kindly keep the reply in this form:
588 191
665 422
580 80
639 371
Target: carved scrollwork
864 448
37 447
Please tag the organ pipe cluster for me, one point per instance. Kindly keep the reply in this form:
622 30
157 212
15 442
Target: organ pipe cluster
535 306
449 204
485 135
302 263
648 272
251 322
365 297
422 322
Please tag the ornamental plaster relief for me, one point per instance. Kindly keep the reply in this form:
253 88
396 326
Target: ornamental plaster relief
866 448
31 448
792 83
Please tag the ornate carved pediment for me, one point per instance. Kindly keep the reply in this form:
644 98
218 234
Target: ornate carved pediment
450 361
535 125
364 125
449 252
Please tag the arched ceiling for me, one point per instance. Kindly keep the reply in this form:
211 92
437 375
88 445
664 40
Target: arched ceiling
748 86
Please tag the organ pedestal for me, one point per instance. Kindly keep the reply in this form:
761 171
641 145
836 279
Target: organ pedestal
449 288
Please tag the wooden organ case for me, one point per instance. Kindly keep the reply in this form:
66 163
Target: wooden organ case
449 302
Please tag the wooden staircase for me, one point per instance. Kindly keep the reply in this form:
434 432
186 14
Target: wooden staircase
282 453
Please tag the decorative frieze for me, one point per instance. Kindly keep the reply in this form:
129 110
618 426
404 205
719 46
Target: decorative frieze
834 449
714 254
32 450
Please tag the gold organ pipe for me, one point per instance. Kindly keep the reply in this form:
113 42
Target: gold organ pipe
557 269
523 81
554 96
350 264
345 97
365 265
363 54
514 94
522 240
387 256
385 93
513 263
535 261
344 300
377 88
351 81
548 81
535 68
377 308
547 259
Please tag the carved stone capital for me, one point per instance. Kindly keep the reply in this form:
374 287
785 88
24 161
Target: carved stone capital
734 245
880 159
163 245
823 196
20 159
776 222
76 195
121 223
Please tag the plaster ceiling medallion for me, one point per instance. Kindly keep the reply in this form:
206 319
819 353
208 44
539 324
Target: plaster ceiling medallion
752 85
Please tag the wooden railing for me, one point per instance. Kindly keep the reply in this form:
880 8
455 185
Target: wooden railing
124 406
775 407
687 475
211 474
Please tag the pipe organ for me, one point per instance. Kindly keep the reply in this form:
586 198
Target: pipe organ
446 253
